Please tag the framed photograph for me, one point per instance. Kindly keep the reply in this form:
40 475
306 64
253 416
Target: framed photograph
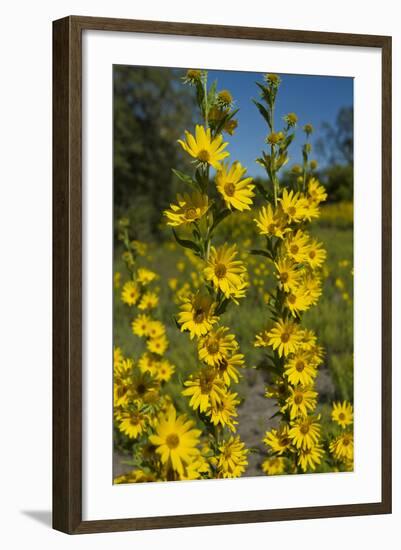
222 275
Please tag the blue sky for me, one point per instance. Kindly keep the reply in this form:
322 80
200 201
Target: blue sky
314 99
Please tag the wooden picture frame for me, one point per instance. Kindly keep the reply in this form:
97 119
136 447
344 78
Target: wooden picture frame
67 273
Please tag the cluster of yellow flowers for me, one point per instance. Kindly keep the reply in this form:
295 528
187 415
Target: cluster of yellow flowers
223 277
342 446
293 354
203 442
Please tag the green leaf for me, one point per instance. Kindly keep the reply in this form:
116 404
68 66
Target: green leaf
261 189
186 243
264 112
212 93
260 252
184 177
223 306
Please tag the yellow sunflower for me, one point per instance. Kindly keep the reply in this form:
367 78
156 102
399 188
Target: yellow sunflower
311 457
236 192
232 460
224 411
130 293
305 432
164 371
224 271
158 345
204 388
149 300
293 205
155 329
316 192
189 208
300 401
227 368
176 440
122 381
316 254
140 325
287 274
284 337
343 447
197 315
216 345
204 148
274 465
297 301
145 276
301 369
272 223
132 422
342 413
278 440
296 246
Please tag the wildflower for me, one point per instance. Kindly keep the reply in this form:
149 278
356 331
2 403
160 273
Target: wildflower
284 337
316 254
296 246
130 293
272 222
164 371
224 411
204 388
296 169
236 192
342 413
155 329
308 129
148 301
141 324
192 76
132 423
287 274
145 276
301 369
293 205
316 192
300 401
272 79
274 138
135 476
216 346
144 388
313 164
223 270
278 440
158 345
297 301
122 381
227 368
304 432
343 447
176 440
232 460
311 457
291 119
274 466
224 99
197 315
148 363
204 148
188 209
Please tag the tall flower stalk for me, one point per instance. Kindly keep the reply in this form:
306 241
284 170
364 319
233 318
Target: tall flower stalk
292 353
211 198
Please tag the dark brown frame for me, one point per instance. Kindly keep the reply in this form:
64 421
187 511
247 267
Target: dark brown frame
67 278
